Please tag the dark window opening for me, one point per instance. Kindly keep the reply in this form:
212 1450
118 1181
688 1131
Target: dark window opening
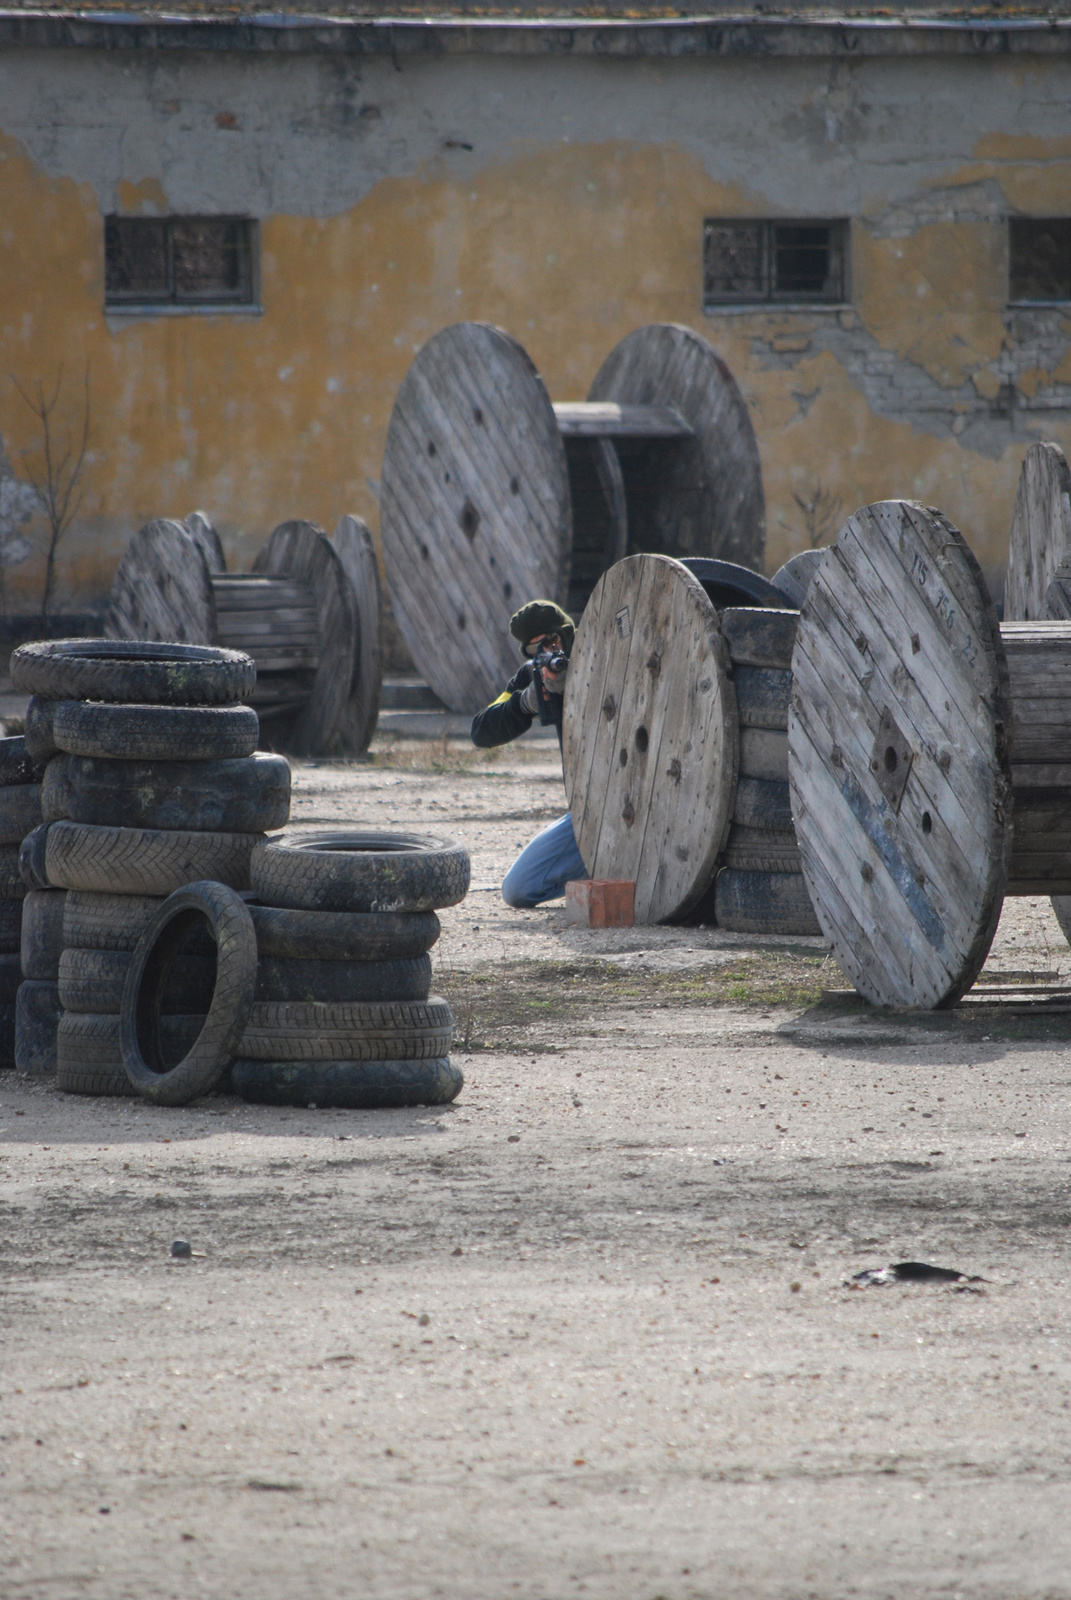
1039 259
762 262
186 261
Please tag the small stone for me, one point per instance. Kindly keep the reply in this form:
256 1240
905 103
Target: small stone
795 1287
457 1252
423 1321
181 1249
514 1138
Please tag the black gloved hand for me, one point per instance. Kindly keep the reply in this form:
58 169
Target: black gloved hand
529 699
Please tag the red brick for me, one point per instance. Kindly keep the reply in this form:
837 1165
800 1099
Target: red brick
600 902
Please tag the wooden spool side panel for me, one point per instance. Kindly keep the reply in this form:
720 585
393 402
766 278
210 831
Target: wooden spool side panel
474 506
700 496
356 551
1040 533
794 578
203 533
302 551
650 736
162 590
1039 673
903 824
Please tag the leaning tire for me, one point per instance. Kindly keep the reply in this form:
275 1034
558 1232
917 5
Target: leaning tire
42 934
20 810
11 885
414 1030
132 672
155 733
89 1059
16 764
38 740
354 1085
279 978
236 975
107 921
343 935
33 857
95 978
37 1018
358 871
249 795
764 902
10 979
144 860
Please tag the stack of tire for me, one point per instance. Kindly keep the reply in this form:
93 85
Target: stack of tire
151 781
321 997
20 812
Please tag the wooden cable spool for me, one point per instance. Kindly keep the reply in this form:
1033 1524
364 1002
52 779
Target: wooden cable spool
296 615
354 547
491 496
929 756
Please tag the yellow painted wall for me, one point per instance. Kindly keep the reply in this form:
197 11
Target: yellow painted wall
569 247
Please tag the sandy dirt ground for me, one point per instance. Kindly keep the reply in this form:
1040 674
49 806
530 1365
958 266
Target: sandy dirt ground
586 1331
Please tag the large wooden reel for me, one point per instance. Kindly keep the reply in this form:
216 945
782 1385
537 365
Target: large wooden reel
694 495
354 547
475 513
898 756
163 589
650 735
1040 533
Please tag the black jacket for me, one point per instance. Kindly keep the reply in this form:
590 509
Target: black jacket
505 719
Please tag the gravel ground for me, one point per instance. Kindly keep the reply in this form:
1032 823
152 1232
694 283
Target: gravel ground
589 1329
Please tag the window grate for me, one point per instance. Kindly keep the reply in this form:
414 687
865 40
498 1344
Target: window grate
753 262
1039 260
185 261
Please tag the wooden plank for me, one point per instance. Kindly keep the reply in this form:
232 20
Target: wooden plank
1040 533
701 496
899 712
353 542
162 590
604 419
650 738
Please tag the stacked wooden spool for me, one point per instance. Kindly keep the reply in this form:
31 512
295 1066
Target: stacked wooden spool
675 744
929 756
492 496
308 615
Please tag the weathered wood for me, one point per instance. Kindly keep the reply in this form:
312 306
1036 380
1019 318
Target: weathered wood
1040 532
277 622
595 419
763 903
727 583
474 504
758 637
898 756
162 590
794 578
201 530
353 542
650 735
700 496
1039 671
303 553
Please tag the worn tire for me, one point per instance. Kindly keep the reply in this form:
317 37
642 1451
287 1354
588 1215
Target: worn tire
132 672
402 1030
7 1036
10 926
89 1058
16 765
764 902
38 740
95 978
281 978
33 859
248 795
761 850
107 921
760 803
37 1017
11 885
217 1044
343 935
359 871
20 810
155 733
354 1085
41 942
144 860
10 979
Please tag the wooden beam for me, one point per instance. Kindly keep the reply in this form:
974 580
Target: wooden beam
604 419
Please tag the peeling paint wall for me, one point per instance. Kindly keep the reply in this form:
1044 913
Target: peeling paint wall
575 216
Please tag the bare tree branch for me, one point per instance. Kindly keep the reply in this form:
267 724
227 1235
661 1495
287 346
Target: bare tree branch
57 480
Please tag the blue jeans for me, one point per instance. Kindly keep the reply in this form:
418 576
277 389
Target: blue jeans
544 866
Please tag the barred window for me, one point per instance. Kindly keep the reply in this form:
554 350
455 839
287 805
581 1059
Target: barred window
761 262
184 261
1039 260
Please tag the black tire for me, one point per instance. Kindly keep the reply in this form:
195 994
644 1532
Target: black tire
280 978
12 886
249 795
107 921
89 1057
42 934
132 672
403 1030
358 871
342 935
10 926
7 1036
20 811
38 738
144 860
95 978
761 850
762 696
37 1016
764 902
217 1044
10 979
33 859
16 765
155 733
760 803
354 1085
